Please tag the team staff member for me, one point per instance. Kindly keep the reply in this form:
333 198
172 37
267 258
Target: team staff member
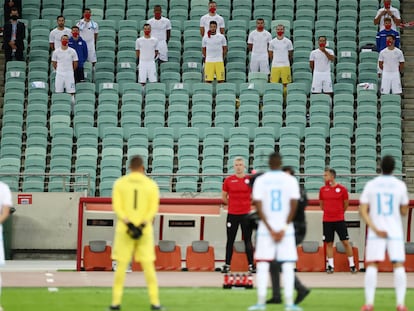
13 40
214 49
5 207
333 200
237 195
81 48
135 200
383 201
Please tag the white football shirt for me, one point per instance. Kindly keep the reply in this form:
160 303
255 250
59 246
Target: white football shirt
87 31
392 59
394 12
64 59
147 48
55 36
384 195
159 27
260 41
280 49
214 47
321 62
206 19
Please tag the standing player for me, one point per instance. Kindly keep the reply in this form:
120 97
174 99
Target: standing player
135 200
5 206
275 195
391 62
65 61
89 32
57 33
333 200
236 195
146 48
258 44
320 64
382 202
388 11
281 53
211 16
214 49
161 30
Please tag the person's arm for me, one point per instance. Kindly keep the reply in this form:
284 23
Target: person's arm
290 56
75 64
224 51
137 53
95 36
222 31
224 198
117 204
401 67
5 212
292 212
381 65
250 46
346 204
328 55
168 35
156 53
311 65
202 31
395 19
380 14
54 64
203 51
404 210
363 211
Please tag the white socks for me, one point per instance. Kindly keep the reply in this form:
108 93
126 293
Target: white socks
330 262
288 270
370 284
400 283
262 279
351 261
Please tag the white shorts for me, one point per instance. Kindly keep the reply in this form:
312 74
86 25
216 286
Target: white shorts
64 82
163 50
267 249
322 82
376 247
259 66
391 83
147 70
91 55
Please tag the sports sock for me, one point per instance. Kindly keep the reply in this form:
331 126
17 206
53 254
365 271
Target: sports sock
370 284
330 262
351 261
400 284
119 280
288 270
152 282
262 278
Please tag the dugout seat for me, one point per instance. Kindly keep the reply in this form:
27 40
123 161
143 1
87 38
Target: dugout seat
311 257
200 256
239 260
168 256
341 259
409 257
97 256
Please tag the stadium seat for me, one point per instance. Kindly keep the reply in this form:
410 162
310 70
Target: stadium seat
200 256
239 261
341 259
97 256
168 256
311 257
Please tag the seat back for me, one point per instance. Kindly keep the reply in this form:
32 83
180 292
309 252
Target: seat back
168 256
97 256
200 256
239 261
311 257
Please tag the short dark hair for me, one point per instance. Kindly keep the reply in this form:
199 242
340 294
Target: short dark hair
86 9
146 24
275 160
322 37
213 23
74 27
136 162
392 36
387 164
157 6
60 17
289 169
331 170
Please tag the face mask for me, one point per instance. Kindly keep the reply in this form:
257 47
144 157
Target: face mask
14 17
75 34
88 15
280 33
389 42
147 32
65 43
212 10
387 5
387 27
322 45
157 15
260 27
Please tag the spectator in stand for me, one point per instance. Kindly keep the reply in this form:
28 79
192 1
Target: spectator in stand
89 32
161 30
391 62
258 44
56 34
388 11
281 53
214 49
8 6
211 16
14 34
320 63
81 48
382 35
146 48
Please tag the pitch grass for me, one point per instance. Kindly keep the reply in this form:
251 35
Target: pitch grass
188 299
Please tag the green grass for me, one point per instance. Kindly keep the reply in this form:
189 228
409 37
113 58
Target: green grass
175 299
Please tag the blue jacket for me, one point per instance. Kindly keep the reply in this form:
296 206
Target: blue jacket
81 49
382 39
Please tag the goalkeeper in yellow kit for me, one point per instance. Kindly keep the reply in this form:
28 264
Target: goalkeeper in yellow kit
135 200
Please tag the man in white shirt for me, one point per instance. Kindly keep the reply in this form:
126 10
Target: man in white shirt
388 11
211 16
391 62
258 44
146 48
5 206
89 32
382 203
275 195
214 49
320 64
161 30
281 53
65 61
56 34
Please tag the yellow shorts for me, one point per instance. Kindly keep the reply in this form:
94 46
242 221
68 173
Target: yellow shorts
125 248
212 69
281 73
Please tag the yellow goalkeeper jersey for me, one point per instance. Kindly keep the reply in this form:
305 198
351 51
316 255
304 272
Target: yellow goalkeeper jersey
136 197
